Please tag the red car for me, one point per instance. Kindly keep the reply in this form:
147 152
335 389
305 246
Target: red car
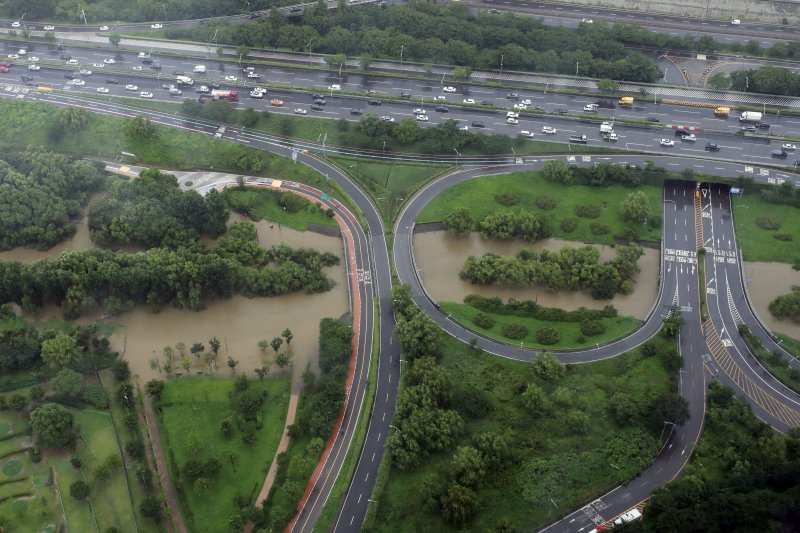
3 69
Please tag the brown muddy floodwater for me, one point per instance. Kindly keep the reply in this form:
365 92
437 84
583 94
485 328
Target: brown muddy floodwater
238 322
770 280
441 257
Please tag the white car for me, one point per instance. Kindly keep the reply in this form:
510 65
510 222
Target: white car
789 146
387 118
419 111
449 89
690 138
138 67
231 78
33 59
145 94
73 62
463 128
512 121
104 28
109 61
13 56
16 24
422 118
131 88
203 89
734 22
526 133
253 75
49 28
590 108
520 106
102 90
300 111
511 114
469 100
156 26
79 83
440 98
255 93
98 65
34 67
22 52
335 87
85 72
587 21
527 101
549 130
667 142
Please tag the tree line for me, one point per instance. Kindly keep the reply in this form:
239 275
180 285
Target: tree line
531 309
429 33
569 268
41 196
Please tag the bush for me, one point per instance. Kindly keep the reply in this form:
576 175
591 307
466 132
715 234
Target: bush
95 395
546 202
569 224
121 370
79 490
507 199
515 331
768 223
548 336
598 228
592 327
292 202
587 211
135 449
782 237
483 320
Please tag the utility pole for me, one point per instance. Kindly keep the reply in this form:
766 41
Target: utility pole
501 65
402 46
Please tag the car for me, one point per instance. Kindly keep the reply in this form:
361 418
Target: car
145 94
112 82
73 62
22 52
254 16
631 516
736 22
680 132
371 91
319 101
780 154
13 56
712 147
526 133
689 138
537 108
527 101
387 118
405 94
442 109
494 11
796 163
69 75
653 120
253 75
98 65
16 24
104 28
789 146
667 142
257 93
549 130
217 86
178 73
334 87
587 21
231 78
25 77
469 101
167 86
763 126
3 69
49 28
155 66
440 98
511 114
590 108
449 89
422 118
85 72
520 106
102 90
34 67
203 89
296 9
373 101
419 111
562 110
512 121
109 61
512 96
478 124
357 111
276 102
175 92
131 88
79 83
300 111
316 107
463 128
65 57
156 26
138 67
749 128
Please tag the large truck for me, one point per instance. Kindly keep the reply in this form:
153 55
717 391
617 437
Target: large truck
185 80
606 127
751 116
582 139
231 96
199 69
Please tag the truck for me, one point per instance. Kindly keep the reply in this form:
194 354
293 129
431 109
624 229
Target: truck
231 96
722 111
582 139
751 116
185 80
626 100
200 69
606 127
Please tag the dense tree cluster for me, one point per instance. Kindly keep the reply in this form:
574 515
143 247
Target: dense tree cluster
507 225
158 277
153 211
41 194
787 305
531 309
569 268
335 347
20 344
458 221
436 34
599 175
785 193
767 80
53 426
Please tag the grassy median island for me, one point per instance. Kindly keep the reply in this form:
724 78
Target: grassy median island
192 413
767 231
287 208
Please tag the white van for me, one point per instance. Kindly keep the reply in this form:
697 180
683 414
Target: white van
144 55
199 69
735 22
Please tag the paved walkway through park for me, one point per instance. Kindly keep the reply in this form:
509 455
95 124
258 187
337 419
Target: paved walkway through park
282 445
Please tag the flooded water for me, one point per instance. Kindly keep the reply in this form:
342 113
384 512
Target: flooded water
770 280
441 257
79 241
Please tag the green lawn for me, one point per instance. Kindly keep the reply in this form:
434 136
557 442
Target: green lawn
571 336
264 205
479 197
759 244
550 459
193 410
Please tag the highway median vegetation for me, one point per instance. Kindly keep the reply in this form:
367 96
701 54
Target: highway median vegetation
776 362
768 223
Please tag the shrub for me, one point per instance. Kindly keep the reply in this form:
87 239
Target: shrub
587 211
121 370
515 331
95 395
598 228
592 327
507 199
548 336
569 224
768 223
782 237
292 202
546 202
483 320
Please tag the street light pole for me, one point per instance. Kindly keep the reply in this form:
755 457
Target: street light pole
502 56
165 11
309 50
402 46
577 64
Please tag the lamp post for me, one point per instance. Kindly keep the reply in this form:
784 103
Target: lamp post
577 65
502 56
402 46
309 50
163 5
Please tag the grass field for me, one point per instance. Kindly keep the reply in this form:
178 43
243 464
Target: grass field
478 196
193 410
571 336
759 244
265 205
550 461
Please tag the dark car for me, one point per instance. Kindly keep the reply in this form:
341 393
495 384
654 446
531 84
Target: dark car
562 110
780 154
65 57
156 66
442 108
375 102
405 94
146 60
712 147
296 9
796 163
316 107
319 101
371 91
749 128
254 15
478 124
356 111
179 73
512 96
485 102
763 126
112 82
25 77
680 132
317 95
70 76
653 120
214 85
